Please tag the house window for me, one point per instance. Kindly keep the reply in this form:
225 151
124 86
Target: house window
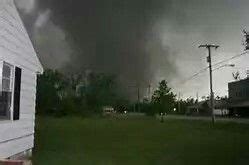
6 90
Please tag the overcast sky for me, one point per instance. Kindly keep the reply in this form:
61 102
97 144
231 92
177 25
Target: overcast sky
143 40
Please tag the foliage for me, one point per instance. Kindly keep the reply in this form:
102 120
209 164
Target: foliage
101 90
163 99
61 94
147 108
50 91
121 105
182 105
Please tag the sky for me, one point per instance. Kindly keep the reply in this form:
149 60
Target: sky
142 41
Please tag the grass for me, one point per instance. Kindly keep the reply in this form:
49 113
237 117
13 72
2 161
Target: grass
76 141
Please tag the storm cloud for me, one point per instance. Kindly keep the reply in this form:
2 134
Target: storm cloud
106 36
139 40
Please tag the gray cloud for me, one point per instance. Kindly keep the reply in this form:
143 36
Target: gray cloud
111 36
27 6
49 39
54 51
140 40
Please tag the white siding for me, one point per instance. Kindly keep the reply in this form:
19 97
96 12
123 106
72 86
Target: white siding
16 48
17 146
16 129
13 132
14 38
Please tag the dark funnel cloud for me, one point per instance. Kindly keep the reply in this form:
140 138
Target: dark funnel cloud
111 36
141 41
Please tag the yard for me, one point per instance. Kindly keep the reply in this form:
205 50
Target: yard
135 141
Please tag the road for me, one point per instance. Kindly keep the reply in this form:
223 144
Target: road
207 118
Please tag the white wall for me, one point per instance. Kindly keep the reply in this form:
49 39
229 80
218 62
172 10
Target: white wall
16 49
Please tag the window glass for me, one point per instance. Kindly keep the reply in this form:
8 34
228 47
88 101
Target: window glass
6 85
6 90
6 71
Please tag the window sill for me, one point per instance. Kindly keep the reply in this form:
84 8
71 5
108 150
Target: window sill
4 120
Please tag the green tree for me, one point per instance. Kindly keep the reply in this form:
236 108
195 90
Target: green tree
50 90
183 105
163 99
57 93
101 90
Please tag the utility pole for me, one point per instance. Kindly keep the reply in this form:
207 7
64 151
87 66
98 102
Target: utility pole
197 97
179 105
138 97
197 100
149 92
138 93
137 87
209 60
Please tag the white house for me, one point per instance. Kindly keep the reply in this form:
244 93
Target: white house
19 67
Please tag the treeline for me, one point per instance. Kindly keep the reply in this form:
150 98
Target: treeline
86 94
61 94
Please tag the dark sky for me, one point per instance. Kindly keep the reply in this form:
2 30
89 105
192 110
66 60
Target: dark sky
140 40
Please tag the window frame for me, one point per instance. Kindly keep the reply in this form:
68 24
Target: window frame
8 117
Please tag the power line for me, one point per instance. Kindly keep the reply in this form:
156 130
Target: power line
196 74
218 63
231 58
222 66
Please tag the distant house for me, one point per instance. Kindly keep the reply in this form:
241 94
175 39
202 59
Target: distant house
203 108
237 103
239 90
19 66
239 97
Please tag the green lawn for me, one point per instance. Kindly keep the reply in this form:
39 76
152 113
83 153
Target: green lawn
142 141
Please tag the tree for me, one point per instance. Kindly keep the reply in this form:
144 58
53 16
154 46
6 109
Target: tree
101 90
163 98
236 75
57 93
50 90
184 105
